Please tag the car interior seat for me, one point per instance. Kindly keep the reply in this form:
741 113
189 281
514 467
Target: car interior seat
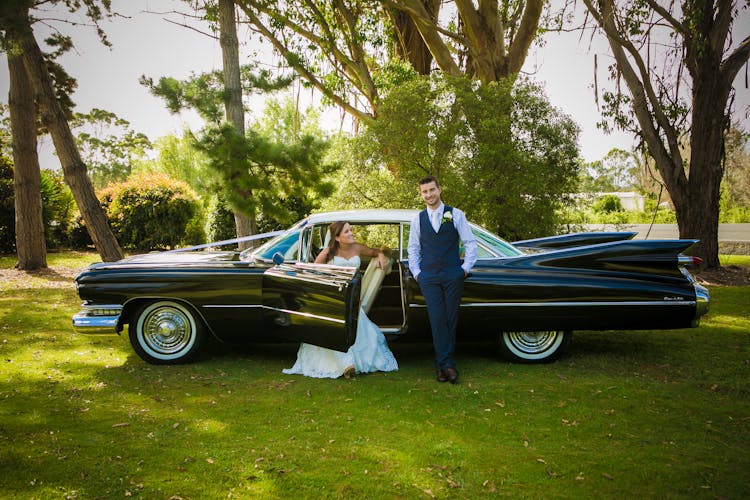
371 281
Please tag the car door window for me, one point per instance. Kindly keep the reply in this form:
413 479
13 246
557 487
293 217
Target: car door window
312 243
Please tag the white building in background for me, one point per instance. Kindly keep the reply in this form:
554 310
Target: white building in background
630 200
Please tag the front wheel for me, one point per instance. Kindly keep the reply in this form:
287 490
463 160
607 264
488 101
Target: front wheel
534 347
165 332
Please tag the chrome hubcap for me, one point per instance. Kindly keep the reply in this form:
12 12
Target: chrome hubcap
167 330
533 342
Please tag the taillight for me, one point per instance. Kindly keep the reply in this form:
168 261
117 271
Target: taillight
689 261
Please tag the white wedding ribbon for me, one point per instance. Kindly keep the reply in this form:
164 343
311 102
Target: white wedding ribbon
227 242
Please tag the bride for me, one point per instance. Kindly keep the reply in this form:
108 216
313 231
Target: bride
370 351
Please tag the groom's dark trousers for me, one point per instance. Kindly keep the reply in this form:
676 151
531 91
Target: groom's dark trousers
442 282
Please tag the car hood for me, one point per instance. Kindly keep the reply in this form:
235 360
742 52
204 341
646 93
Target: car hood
176 258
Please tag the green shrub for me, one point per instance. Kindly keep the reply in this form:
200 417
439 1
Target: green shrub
221 225
79 236
150 211
297 206
58 207
607 204
735 215
195 231
7 209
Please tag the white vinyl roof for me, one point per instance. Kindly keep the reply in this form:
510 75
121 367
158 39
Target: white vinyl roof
367 215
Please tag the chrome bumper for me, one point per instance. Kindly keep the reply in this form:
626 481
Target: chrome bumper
702 299
97 319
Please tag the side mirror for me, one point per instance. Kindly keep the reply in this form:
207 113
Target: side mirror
277 258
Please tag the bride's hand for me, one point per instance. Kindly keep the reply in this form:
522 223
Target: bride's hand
382 260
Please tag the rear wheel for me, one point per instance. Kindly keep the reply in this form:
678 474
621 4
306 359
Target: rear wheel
534 347
166 332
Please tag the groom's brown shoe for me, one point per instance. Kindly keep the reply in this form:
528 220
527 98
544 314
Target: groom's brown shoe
451 375
440 375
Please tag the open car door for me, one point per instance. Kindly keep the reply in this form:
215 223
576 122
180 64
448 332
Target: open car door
313 303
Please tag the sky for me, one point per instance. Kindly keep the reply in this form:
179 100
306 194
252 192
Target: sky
146 43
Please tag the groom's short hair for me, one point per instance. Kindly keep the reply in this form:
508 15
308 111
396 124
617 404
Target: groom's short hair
428 179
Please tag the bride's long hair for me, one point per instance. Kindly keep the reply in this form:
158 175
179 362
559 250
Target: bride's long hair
335 229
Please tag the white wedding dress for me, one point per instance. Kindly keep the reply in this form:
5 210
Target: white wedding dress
369 353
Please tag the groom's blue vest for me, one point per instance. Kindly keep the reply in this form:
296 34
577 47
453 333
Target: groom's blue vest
439 250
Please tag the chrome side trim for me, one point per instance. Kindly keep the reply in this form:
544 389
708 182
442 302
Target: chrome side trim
287 311
573 304
231 306
97 319
306 315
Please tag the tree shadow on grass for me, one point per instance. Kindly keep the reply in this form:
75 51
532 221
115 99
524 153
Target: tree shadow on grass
47 277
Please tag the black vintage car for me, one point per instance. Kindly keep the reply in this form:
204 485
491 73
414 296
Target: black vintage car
529 295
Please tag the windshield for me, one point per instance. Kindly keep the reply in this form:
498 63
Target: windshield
497 245
287 244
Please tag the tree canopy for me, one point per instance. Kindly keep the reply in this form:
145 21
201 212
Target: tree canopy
353 51
255 172
512 183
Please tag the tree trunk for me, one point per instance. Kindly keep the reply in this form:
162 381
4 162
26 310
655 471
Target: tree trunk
54 119
30 244
235 112
428 30
408 43
700 218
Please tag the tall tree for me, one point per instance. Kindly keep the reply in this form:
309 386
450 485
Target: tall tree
30 245
235 111
16 25
697 50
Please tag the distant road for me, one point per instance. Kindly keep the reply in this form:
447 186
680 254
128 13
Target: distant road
727 232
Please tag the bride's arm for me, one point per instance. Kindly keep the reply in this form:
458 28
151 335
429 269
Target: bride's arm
380 253
322 257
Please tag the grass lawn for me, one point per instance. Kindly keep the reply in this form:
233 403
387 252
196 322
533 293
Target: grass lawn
734 260
624 414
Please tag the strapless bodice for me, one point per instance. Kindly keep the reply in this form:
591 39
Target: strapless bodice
353 261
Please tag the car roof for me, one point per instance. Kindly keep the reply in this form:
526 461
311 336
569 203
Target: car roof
367 215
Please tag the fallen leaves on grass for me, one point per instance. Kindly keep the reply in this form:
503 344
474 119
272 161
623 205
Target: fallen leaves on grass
723 276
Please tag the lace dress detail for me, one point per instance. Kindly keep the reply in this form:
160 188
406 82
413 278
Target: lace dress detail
369 353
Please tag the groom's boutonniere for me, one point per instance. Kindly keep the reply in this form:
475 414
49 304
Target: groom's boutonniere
447 217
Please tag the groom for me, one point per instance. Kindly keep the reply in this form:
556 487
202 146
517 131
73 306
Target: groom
435 263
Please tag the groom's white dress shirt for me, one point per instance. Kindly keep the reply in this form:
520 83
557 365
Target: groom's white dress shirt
435 217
